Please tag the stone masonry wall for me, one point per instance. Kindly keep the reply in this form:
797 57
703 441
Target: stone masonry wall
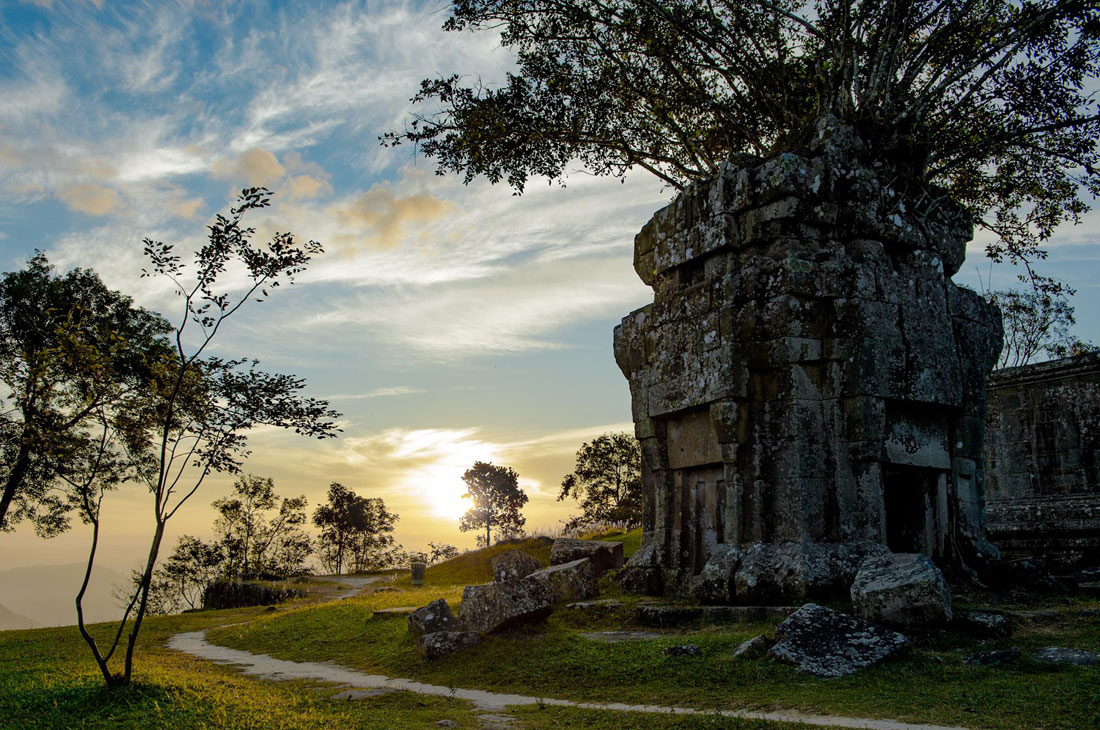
808 384
1043 461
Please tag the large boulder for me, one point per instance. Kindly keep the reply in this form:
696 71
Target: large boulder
906 589
826 643
604 554
496 606
714 584
513 565
434 617
575 581
444 643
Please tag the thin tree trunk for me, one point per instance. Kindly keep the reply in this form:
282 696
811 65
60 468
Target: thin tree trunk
99 660
146 582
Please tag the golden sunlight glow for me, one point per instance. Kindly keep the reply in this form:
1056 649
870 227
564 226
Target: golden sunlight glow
438 458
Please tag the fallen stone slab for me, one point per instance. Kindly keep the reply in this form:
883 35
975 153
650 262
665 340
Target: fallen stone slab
614 637
513 565
435 617
747 614
752 648
992 658
497 606
650 615
1062 655
604 604
444 643
683 650
573 581
395 612
904 589
604 554
825 643
984 624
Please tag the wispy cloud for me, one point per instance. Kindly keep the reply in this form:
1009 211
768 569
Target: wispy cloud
376 393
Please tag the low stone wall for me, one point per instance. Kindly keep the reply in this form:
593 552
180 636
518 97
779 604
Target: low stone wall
1043 462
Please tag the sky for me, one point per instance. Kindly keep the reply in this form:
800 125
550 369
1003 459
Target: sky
448 323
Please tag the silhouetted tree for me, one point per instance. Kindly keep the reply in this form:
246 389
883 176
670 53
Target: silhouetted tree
256 542
438 552
72 352
607 481
990 103
194 416
497 501
355 530
1037 323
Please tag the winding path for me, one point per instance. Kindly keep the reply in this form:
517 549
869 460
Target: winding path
267 667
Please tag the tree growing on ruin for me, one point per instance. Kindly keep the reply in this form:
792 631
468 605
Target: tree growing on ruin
497 501
988 103
193 417
1037 323
607 481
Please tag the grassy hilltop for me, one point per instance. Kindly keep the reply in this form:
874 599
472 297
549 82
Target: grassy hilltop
48 681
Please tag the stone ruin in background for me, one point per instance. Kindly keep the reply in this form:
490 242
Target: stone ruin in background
808 385
1043 462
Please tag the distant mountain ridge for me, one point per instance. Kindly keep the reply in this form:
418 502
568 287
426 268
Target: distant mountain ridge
10 620
48 594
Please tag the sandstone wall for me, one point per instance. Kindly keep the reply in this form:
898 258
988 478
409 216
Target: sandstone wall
808 384
1043 461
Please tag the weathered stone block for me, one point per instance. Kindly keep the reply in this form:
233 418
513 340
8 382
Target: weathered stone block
434 617
442 644
513 565
604 554
903 589
826 643
497 606
574 581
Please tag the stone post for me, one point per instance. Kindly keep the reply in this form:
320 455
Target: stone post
418 570
809 384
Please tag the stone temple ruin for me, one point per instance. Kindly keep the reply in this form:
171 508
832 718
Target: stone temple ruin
809 384
1043 462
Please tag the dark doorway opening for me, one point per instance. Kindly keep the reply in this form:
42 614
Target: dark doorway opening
908 499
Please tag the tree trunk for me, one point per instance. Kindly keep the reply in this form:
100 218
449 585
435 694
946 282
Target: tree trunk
15 477
100 660
146 582
488 534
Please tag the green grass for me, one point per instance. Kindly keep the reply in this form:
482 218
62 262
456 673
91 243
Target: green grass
476 566
553 660
49 682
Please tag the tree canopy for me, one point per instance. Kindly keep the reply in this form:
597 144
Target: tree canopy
607 481
988 99
497 501
355 531
73 354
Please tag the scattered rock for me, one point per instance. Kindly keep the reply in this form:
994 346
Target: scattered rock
495 722
1061 655
1089 613
444 643
791 571
396 612
513 565
436 616
573 581
752 648
446 723
993 658
905 589
496 606
826 643
667 615
387 589
604 554
606 604
984 624
1030 574
614 637
683 650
